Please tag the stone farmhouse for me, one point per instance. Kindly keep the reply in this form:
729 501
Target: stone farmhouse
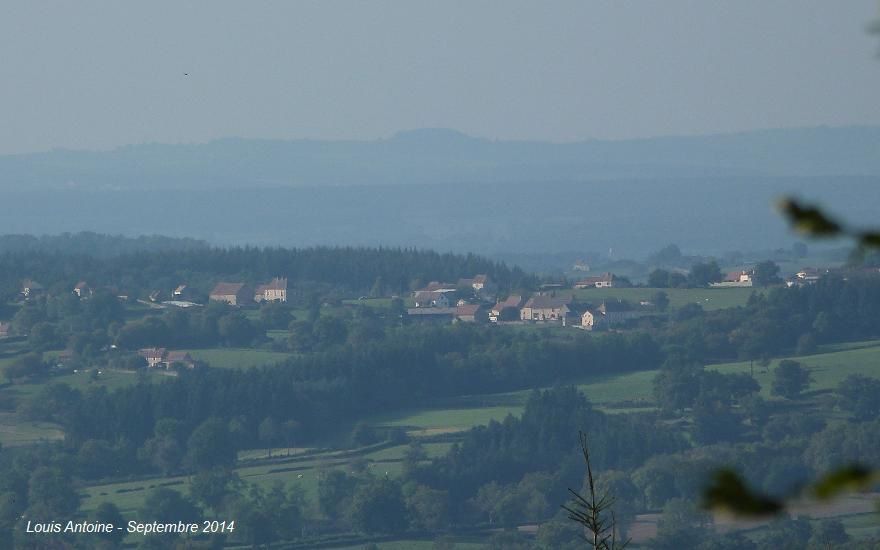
82 290
160 357
234 294
543 308
274 291
513 302
429 299
735 279
609 314
606 280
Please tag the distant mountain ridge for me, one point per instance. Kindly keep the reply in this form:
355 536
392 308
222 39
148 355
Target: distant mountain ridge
441 156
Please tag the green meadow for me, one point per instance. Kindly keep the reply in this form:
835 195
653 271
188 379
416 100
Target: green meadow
708 298
238 358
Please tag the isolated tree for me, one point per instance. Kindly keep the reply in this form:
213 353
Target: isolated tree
659 278
702 274
661 301
677 280
790 378
766 273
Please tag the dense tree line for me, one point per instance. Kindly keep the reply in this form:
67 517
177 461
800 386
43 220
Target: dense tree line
383 270
96 244
322 389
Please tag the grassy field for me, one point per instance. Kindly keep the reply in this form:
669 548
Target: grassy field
827 369
445 420
709 298
15 431
238 358
634 389
303 474
110 378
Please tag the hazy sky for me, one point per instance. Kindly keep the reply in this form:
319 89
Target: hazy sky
92 75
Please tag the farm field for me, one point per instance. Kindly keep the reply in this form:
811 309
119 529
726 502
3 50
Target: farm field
15 431
827 369
709 298
238 358
109 378
635 390
129 495
436 421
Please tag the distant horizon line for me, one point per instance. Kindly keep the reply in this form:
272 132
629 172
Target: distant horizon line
450 132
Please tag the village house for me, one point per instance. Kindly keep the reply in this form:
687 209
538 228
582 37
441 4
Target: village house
609 314
741 278
161 357
606 280
436 286
511 303
274 291
234 294
179 359
82 290
542 308
31 289
806 276
181 294
481 284
153 356
5 329
809 275
426 299
471 313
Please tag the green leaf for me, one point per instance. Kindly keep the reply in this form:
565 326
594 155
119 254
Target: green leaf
850 478
727 491
809 219
869 239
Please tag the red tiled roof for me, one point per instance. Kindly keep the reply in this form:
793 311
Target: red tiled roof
278 283
152 353
227 289
434 286
178 356
548 302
